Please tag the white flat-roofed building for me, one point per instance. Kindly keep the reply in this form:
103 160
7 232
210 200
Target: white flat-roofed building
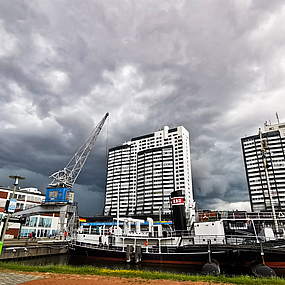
273 138
145 170
43 225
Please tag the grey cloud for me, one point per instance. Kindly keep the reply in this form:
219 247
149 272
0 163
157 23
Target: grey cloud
210 66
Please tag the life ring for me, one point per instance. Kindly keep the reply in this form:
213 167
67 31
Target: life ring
146 243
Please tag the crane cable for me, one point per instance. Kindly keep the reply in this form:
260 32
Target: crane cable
107 137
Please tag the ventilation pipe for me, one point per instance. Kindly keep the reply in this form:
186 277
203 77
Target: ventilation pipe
150 226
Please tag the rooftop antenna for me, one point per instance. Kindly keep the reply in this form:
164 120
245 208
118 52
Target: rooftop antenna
277 118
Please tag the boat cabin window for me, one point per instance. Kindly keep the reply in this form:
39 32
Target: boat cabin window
238 226
85 229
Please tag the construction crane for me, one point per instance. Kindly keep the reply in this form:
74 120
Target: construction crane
60 189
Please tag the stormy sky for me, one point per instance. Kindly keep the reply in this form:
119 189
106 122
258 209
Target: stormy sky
215 66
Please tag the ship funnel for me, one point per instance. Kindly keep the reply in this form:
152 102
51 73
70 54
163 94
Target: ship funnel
177 202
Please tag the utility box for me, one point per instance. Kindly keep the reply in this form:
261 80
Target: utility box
1 244
59 195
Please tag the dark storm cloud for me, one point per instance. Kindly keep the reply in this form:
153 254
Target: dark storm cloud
215 67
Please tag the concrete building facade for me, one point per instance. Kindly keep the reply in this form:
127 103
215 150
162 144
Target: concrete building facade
264 196
145 170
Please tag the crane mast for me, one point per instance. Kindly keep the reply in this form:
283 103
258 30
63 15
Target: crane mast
60 189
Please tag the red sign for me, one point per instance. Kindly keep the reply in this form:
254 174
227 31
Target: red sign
177 201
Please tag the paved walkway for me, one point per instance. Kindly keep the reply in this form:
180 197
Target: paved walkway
15 278
66 279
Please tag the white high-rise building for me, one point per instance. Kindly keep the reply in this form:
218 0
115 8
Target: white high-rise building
145 170
264 195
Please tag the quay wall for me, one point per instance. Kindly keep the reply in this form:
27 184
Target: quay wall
25 249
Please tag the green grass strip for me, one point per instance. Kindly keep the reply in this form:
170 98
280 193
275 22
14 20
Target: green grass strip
83 270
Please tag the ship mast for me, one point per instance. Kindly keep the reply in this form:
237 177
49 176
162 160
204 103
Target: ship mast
263 152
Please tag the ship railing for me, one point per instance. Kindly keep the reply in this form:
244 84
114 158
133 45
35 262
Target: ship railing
150 249
100 245
246 240
167 234
87 231
162 249
93 231
120 247
207 216
228 239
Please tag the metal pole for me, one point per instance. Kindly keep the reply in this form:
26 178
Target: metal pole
118 208
16 182
262 253
209 251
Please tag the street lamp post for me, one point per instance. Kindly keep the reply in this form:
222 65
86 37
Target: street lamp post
16 182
